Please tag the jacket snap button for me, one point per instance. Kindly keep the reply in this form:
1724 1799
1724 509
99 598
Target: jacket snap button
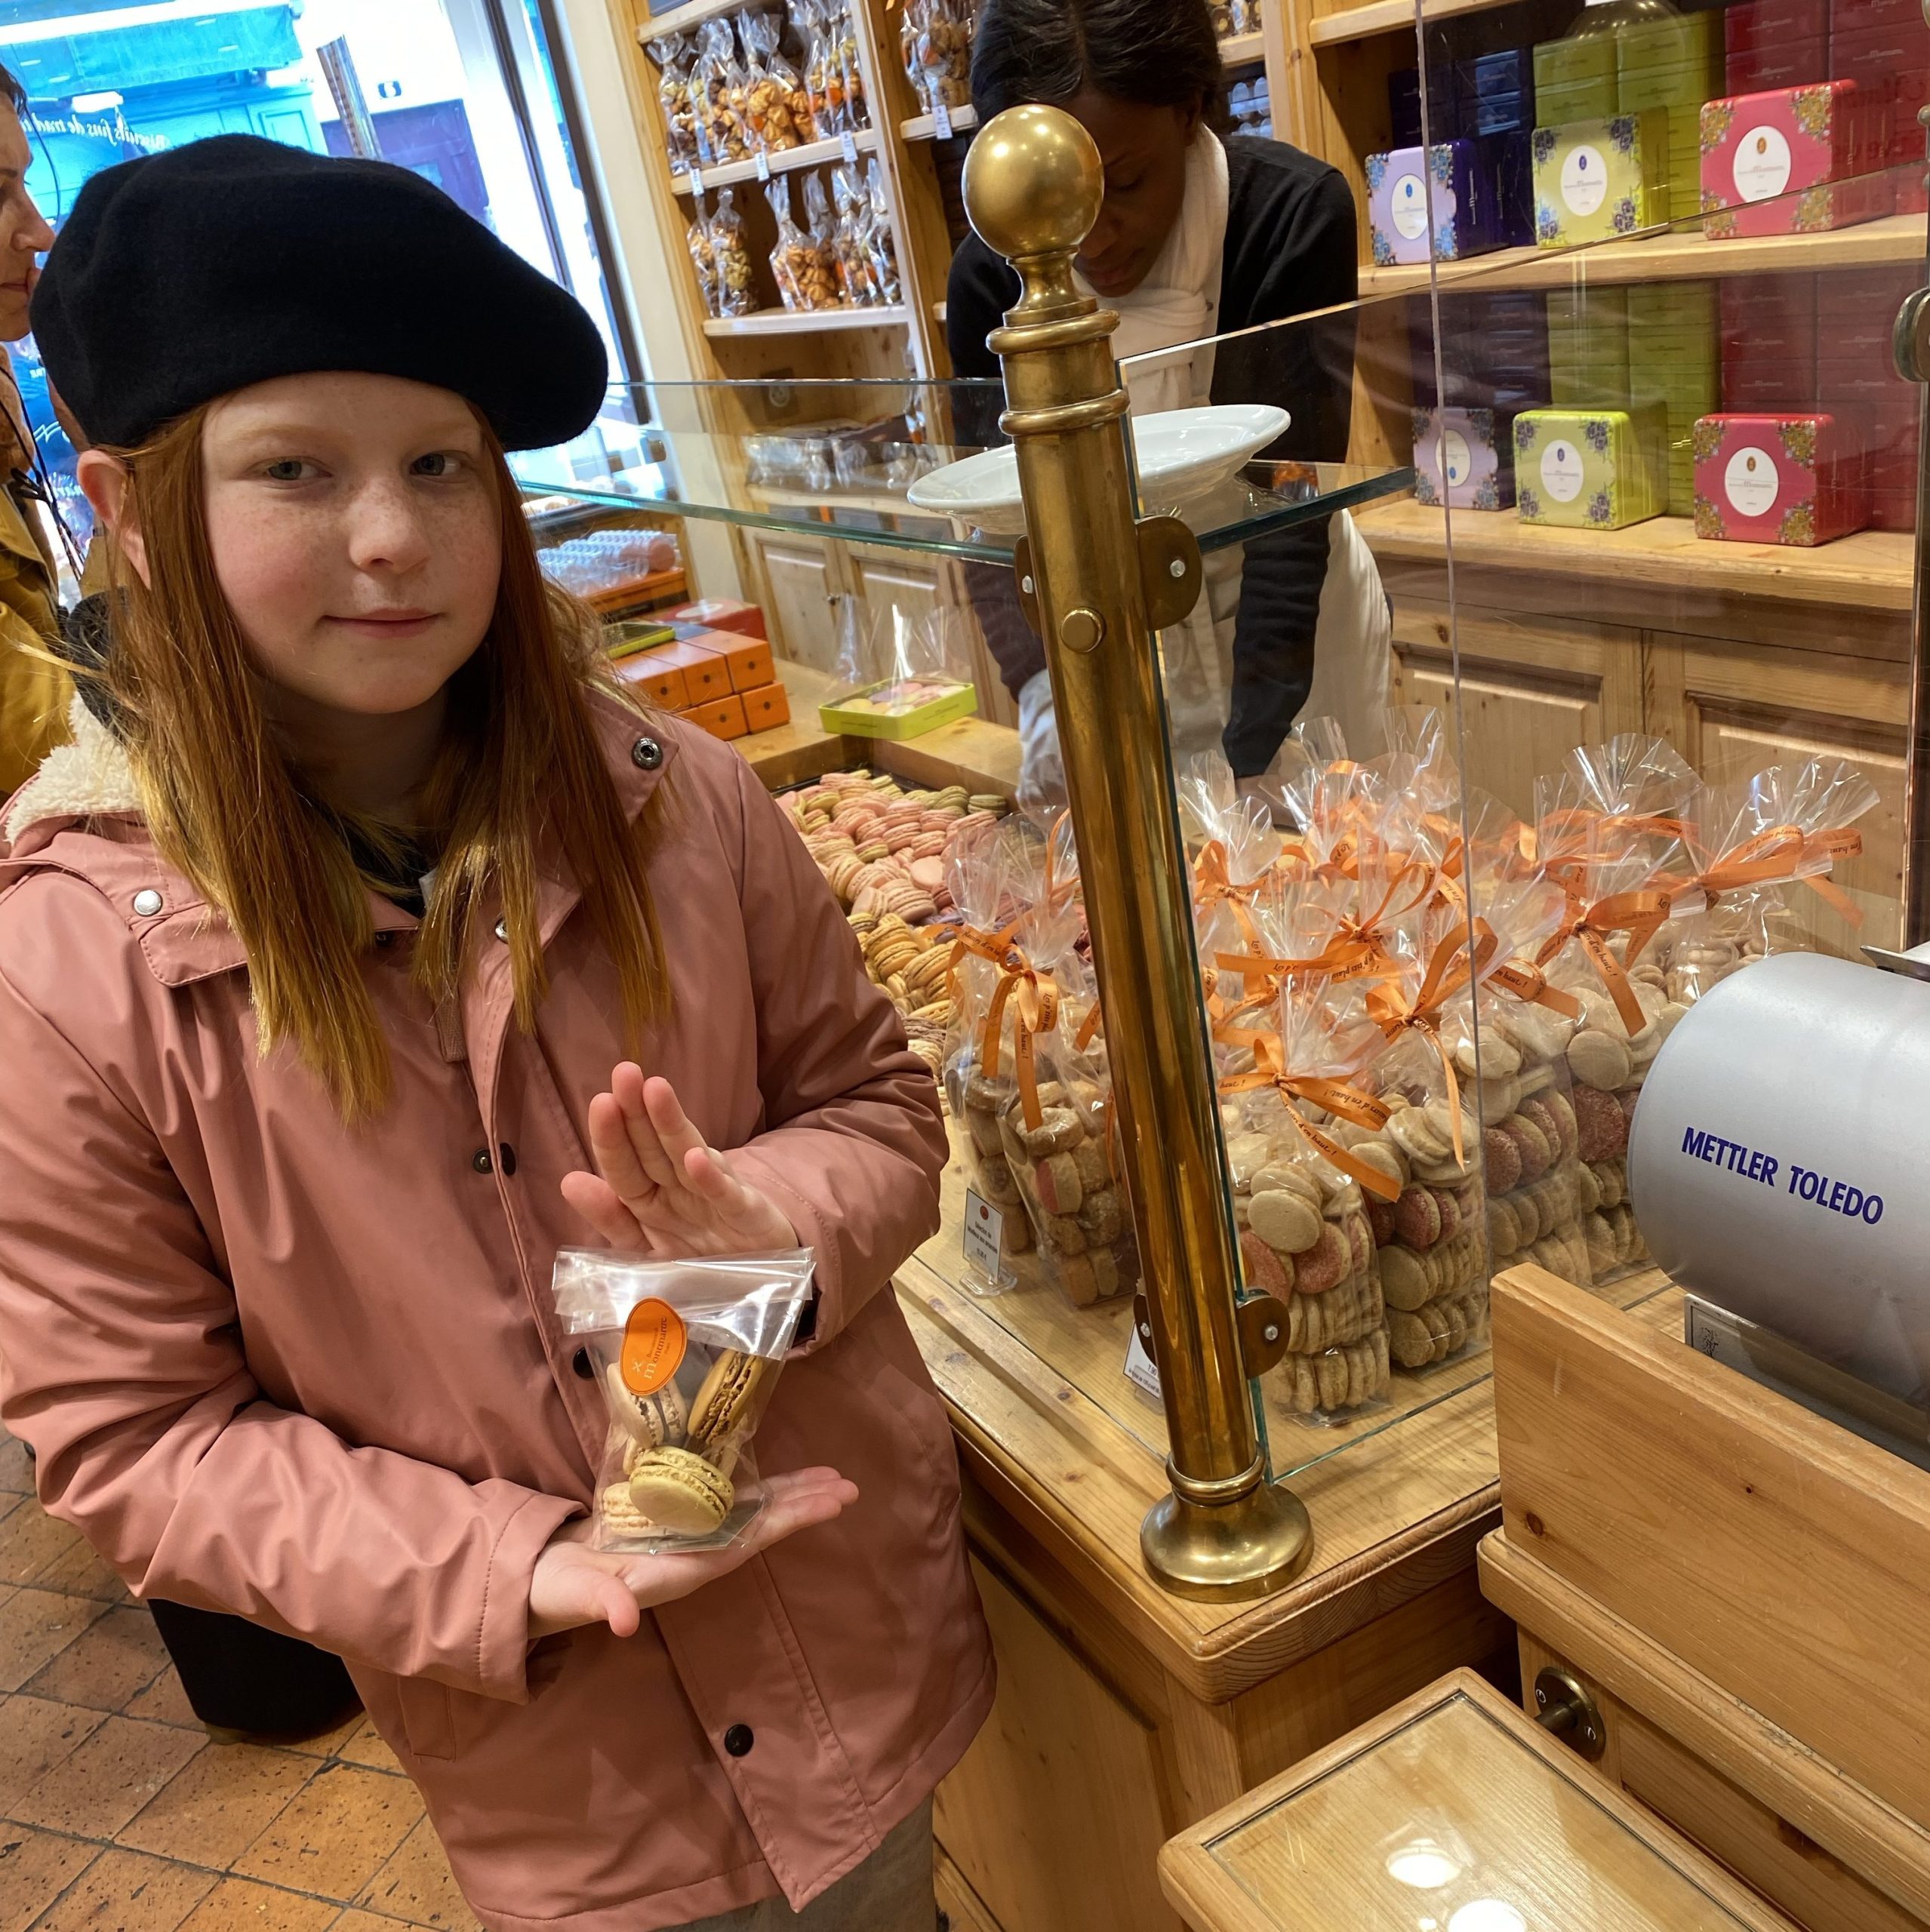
505 1158
580 1362
385 939
646 754
147 903
480 1160
502 931
738 1739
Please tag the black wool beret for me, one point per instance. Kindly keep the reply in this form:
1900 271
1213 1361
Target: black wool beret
188 274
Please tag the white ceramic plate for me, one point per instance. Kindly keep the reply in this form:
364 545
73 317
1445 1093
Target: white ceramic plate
1181 453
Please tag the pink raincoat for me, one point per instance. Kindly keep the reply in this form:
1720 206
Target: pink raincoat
311 1374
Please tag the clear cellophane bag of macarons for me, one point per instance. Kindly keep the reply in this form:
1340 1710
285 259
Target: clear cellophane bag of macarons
687 1355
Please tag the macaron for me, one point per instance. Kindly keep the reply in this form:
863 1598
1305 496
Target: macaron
731 1397
675 1491
649 1421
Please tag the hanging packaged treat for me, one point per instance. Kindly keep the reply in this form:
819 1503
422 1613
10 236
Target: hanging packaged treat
878 243
857 276
735 295
776 105
821 224
824 81
703 258
936 37
718 86
688 1354
676 55
1307 1153
844 37
805 278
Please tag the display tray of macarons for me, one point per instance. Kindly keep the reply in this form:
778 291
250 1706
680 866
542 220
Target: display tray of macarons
687 1355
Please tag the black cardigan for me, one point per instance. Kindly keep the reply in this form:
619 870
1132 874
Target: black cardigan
1290 247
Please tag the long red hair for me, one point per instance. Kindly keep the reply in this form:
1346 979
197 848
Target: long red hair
520 765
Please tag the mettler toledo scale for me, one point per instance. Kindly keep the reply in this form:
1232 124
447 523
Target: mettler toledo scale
1779 1165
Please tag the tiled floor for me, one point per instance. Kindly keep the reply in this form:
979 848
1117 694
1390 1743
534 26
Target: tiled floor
117 1814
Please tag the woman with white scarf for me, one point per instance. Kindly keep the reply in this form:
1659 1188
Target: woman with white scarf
1196 237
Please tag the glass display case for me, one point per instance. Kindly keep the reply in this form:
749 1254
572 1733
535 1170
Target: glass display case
1547 655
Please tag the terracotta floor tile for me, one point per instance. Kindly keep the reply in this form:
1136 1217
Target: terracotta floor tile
80 1572
30 1539
97 1788
108 1664
336 1834
124 1891
36 1625
16 1471
329 1742
417 1885
355 1920
366 1747
34 1737
35 1867
165 1702
209 1813
239 1905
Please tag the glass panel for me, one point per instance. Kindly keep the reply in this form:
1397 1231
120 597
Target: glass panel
858 456
1452 1824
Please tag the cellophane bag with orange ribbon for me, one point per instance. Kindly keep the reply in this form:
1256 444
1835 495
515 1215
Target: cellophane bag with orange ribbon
1609 834
1231 847
1304 1235
1764 849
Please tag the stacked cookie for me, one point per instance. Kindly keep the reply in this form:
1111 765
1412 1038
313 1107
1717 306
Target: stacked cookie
1530 1139
1061 1172
1431 1241
1304 1239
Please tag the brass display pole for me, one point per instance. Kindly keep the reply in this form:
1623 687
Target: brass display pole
1098 585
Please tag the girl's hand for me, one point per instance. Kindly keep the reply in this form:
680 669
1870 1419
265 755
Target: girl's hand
659 1189
574 1586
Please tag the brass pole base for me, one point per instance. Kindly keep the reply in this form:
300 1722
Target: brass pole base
1224 1552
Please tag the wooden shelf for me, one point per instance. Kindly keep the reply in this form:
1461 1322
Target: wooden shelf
1387 17
813 154
925 127
1869 571
1243 50
806 321
1667 256
679 19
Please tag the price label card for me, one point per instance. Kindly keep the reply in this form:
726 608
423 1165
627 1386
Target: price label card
696 179
763 165
942 116
851 147
1139 1367
985 1241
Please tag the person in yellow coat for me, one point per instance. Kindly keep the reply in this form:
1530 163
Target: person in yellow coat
34 690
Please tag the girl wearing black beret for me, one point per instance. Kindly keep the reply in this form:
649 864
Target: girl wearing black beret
332 953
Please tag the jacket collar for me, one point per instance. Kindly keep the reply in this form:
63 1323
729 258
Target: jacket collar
80 814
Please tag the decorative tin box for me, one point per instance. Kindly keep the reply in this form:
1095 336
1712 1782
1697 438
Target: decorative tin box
1597 179
1399 204
1462 458
1590 469
1796 479
1783 162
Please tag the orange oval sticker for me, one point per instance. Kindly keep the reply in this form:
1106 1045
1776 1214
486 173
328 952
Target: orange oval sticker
653 1346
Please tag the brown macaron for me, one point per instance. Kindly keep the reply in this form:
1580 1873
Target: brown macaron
731 1398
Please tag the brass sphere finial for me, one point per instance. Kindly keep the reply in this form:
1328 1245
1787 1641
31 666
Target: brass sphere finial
1033 183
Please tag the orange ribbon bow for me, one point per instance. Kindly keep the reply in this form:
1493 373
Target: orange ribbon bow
1335 1096
1453 967
1640 915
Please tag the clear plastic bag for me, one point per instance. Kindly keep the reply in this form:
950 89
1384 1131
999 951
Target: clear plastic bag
687 1354
718 84
884 251
857 271
776 103
830 67
935 37
703 258
675 56
892 670
736 294
805 279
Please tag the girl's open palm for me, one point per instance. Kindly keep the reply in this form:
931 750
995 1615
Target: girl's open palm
659 1189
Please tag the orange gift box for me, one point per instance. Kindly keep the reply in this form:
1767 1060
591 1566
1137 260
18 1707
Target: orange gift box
719 614
767 707
707 674
746 658
722 718
664 685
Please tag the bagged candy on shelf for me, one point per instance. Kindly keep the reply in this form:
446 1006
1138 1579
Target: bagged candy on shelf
805 279
1307 1153
687 1353
877 237
936 37
1234 849
777 102
844 38
719 83
821 23
703 258
857 274
731 254
1761 852
821 224
675 56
